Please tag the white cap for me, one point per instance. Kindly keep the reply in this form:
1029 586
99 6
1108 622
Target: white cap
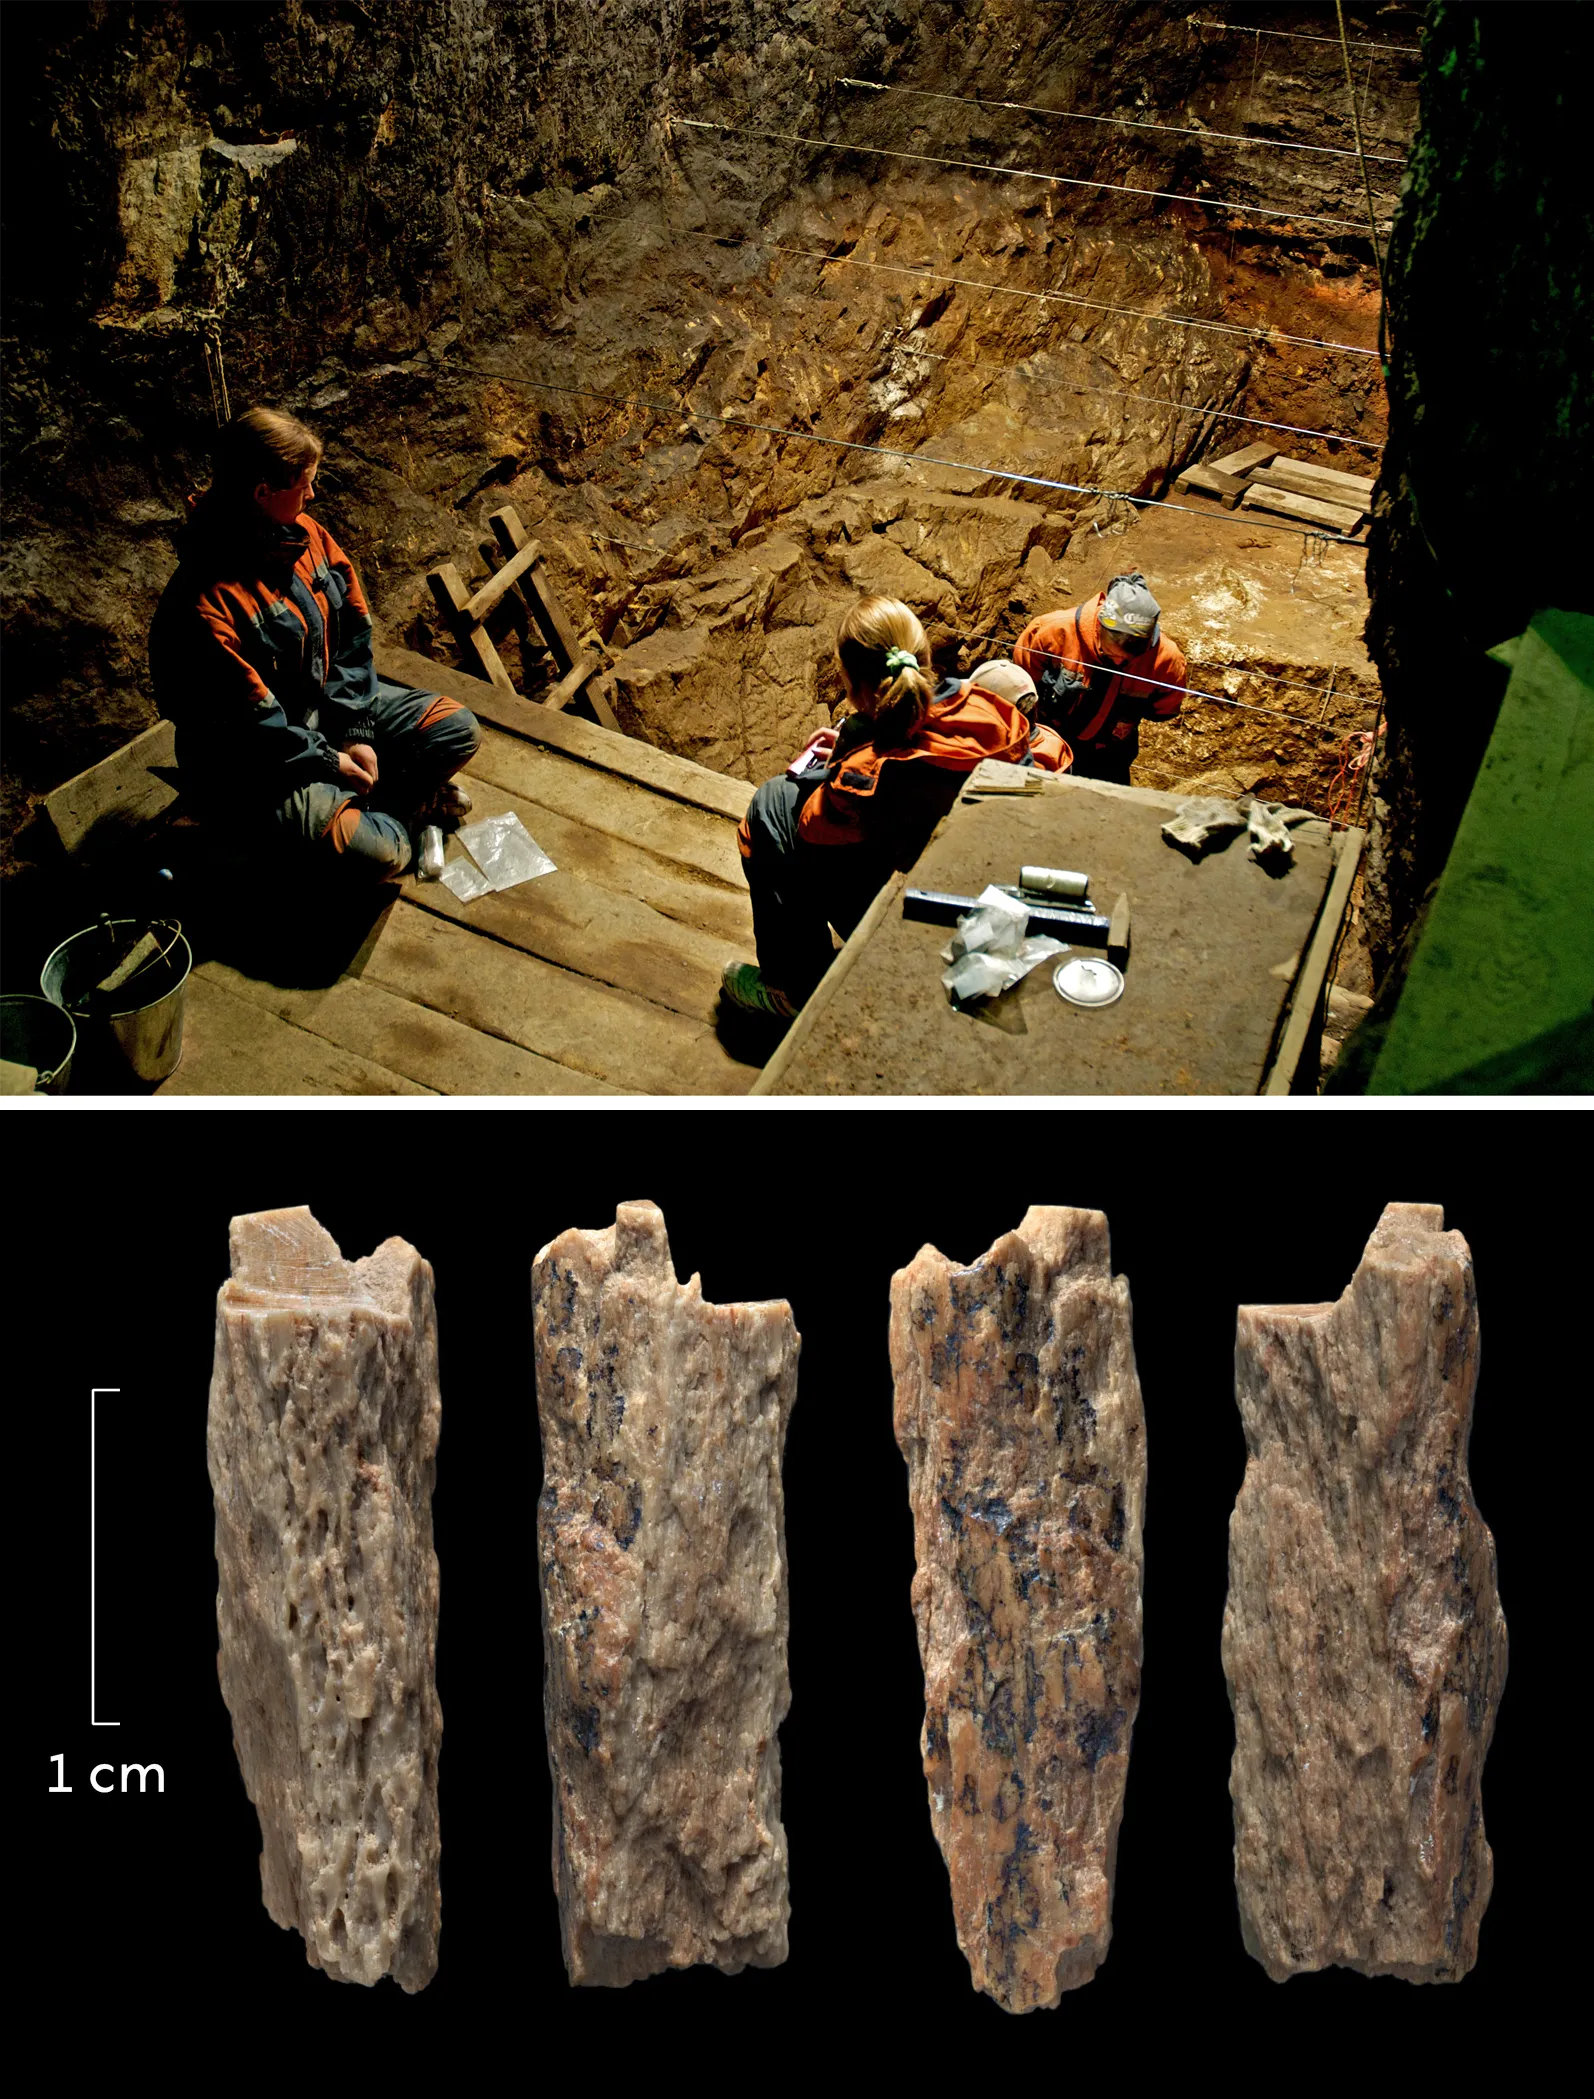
1007 681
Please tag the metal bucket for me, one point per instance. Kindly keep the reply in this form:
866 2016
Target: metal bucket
149 1035
36 1031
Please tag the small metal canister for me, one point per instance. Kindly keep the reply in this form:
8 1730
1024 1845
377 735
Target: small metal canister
1060 882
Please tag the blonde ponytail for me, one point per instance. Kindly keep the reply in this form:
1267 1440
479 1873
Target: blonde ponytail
884 657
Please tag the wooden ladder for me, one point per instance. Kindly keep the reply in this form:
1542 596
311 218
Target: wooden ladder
520 584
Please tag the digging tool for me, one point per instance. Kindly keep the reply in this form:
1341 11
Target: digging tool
941 908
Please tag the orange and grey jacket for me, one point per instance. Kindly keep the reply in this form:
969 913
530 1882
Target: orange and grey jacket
892 799
261 652
1103 694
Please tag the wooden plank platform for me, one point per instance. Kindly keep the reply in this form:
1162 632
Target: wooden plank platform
1218 949
1300 510
98 810
600 978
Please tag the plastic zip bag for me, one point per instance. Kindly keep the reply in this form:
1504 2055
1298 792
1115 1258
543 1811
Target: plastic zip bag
988 976
466 880
995 926
989 953
505 851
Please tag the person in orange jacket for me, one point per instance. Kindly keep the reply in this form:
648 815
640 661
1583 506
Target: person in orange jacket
818 842
287 737
1101 669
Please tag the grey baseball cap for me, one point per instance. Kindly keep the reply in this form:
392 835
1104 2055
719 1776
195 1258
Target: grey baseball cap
1129 609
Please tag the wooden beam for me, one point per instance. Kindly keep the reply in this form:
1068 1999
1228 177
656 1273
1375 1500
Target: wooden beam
453 601
598 691
1326 483
497 586
1244 462
557 627
680 778
558 630
1207 481
569 686
118 799
1301 510
1312 976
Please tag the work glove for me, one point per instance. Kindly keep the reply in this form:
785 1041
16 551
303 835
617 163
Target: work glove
1059 689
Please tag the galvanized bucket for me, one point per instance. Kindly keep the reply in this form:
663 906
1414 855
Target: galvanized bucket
36 1031
148 1028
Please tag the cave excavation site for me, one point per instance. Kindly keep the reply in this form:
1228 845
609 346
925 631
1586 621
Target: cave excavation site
972 339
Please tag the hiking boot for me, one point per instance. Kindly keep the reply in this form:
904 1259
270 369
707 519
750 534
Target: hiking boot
743 986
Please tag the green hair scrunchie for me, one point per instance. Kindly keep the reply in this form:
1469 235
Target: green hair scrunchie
900 660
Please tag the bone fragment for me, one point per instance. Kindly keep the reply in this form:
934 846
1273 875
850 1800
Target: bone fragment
1363 1639
1018 1411
324 1415
662 1555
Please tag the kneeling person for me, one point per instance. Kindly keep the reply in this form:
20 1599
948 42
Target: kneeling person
261 655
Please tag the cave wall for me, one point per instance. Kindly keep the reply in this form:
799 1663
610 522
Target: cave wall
354 196
1481 516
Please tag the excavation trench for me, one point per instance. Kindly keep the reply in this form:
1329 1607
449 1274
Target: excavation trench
740 428
539 280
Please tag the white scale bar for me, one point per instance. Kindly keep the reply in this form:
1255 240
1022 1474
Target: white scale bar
94 1721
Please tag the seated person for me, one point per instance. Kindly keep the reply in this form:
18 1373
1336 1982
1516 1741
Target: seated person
863 799
1101 669
261 655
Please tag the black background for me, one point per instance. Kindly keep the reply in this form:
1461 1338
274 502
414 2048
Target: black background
156 1900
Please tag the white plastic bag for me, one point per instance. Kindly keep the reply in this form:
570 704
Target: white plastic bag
996 926
989 953
988 976
465 880
505 851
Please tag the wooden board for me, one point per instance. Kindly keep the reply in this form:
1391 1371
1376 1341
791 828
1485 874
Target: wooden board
1215 951
117 799
625 869
609 1034
687 838
661 771
1301 510
1326 483
232 1046
1297 1062
611 938
1244 462
1207 481
500 582
453 601
429 1048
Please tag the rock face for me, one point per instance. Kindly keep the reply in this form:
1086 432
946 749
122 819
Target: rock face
1018 1411
662 1556
1485 192
380 210
324 1415
1363 1640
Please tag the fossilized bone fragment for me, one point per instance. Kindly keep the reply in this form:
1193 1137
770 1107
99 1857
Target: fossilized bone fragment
1363 1640
1018 1411
324 1416
662 1553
